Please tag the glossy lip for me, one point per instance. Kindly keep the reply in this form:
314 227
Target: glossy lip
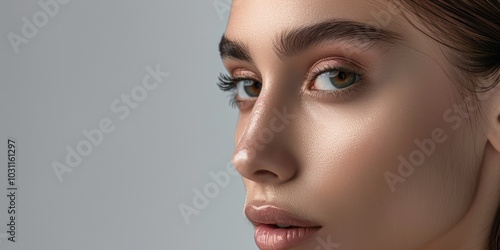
268 236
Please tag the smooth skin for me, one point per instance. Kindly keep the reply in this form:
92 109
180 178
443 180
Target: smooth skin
329 163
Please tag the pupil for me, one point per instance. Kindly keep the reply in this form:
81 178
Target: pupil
342 75
253 89
258 85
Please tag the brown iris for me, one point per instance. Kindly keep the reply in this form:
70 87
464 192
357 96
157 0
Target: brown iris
252 88
341 79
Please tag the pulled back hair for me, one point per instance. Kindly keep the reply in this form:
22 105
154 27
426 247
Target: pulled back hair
469 30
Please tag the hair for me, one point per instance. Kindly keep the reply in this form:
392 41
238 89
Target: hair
469 30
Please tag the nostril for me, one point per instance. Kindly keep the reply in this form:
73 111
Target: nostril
265 173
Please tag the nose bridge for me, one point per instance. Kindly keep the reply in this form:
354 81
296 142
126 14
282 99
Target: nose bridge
261 152
266 125
274 112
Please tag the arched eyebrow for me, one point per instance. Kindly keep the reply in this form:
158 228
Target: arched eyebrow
294 41
233 49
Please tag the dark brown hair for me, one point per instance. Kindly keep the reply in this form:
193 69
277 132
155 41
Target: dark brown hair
470 32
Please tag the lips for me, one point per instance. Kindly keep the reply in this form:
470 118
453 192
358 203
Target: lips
276 228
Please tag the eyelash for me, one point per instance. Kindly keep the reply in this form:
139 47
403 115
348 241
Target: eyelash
228 83
339 94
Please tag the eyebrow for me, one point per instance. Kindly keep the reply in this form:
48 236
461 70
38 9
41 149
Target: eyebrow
294 41
233 49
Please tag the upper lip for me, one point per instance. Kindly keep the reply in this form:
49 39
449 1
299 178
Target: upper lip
260 214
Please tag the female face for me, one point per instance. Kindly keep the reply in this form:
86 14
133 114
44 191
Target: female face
349 130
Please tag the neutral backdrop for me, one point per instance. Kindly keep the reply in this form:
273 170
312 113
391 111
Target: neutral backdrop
64 76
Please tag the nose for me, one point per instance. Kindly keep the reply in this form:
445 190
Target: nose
263 153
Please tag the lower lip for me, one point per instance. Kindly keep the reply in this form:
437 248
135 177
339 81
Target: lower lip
268 237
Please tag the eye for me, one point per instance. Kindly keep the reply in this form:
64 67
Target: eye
242 89
334 79
247 89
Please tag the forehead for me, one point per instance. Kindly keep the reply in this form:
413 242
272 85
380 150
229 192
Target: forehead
256 18
258 24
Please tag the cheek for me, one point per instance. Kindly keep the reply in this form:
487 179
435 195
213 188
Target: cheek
351 147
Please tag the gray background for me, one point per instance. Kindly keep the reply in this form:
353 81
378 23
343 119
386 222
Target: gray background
126 193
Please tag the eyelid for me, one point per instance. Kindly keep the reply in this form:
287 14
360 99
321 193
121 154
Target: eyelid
244 74
239 75
331 63
324 65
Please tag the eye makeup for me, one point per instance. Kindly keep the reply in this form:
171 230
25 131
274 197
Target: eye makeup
333 79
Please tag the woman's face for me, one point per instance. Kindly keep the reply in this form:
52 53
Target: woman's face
347 123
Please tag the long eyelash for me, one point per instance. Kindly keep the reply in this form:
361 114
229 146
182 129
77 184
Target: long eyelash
228 83
337 68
